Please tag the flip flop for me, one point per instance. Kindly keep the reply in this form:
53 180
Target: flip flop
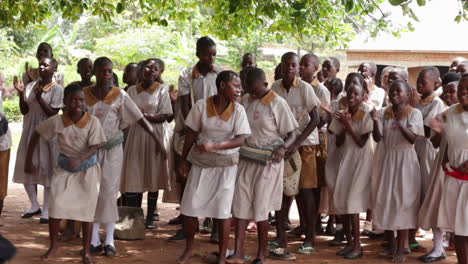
417 248
281 254
305 250
273 244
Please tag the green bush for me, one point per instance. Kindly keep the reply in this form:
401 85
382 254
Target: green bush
11 110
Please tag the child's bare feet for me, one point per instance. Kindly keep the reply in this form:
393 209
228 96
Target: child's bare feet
399 257
235 260
52 252
87 259
185 258
386 252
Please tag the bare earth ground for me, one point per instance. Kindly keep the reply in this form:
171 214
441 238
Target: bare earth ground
31 238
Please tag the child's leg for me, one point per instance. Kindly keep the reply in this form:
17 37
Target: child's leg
96 240
349 237
54 226
87 228
224 230
152 201
301 210
356 251
31 191
110 228
262 228
45 205
190 227
241 226
399 255
438 249
281 218
310 215
132 199
461 247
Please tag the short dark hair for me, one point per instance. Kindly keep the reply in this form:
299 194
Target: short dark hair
225 76
288 55
312 56
83 60
101 61
336 83
450 77
71 89
204 42
405 84
372 67
158 61
335 62
362 82
48 46
255 74
431 69
53 62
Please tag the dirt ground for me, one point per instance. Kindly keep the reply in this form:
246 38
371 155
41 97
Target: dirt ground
31 239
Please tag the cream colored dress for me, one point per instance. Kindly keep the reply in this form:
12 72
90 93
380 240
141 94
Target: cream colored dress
453 212
430 107
46 153
73 195
116 112
144 169
398 179
259 188
209 191
352 185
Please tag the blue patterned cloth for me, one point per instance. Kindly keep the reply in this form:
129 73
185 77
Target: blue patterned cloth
64 163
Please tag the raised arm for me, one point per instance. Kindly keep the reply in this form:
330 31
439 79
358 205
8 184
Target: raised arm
19 86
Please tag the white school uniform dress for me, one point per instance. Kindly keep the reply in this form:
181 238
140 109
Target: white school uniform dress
376 97
259 188
144 169
430 107
397 194
46 153
73 195
352 185
116 112
32 75
453 212
209 191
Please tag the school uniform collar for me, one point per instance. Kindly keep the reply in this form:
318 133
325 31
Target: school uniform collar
428 99
151 89
294 84
359 115
389 114
315 83
81 123
266 99
211 109
92 100
196 71
46 88
459 108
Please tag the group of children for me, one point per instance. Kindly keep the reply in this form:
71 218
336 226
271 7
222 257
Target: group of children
241 150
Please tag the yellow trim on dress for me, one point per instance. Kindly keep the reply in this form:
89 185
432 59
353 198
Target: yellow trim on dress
46 88
428 99
154 87
211 109
266 99
389 114
81 123
92 100
196 72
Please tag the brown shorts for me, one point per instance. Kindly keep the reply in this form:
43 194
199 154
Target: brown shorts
309 178
321 158
4 162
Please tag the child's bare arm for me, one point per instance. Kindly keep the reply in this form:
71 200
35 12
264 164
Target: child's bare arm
20 88
377 130
280 152
49 110
236 142
360 140
157 118
190 138
313 123
29 166
185 105
340 139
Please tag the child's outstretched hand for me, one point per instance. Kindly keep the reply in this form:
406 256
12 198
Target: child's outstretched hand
374 114
18 84
437 126
343 117
30 168
173 94
184 169
278 154
415 97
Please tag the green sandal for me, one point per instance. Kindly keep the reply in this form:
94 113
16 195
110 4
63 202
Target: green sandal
281 254
305 250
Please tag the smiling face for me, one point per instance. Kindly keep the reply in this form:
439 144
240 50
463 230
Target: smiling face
104 74
290 68
398 93
75 103
151 71
46 68
355 95
85 69
462 68
207 55
463 92
232 89
449 94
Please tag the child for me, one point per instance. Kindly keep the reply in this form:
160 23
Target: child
195 83
44 50
85 70
39 100
376 94
271 121
452 212
130 75
449 94
334 86
218 126
430 106
248 60
455 62
115 110
5 145
330 67
141 157
446 79
351 189
462 68
398 177
305 105
75 181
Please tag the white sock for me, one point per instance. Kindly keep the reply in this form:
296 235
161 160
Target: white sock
339 227
110 228
45 206
438 246
32 195
95 239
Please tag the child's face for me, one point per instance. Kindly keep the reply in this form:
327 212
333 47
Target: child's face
426 83
130 74
398 94
104 74
307 68
75 102
248 61
384 81
364 70
328 69
207 55
43 51
290 68
352 80
151 71
85 70
354 95
462 69
256 88
46 70
393 76
449 94
232 89
463 92
320 76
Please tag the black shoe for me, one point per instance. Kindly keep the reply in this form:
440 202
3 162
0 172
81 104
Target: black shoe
339 238
358 256
94 250
43 221
29 215
110 251
150 225
176 221
178 237
427 259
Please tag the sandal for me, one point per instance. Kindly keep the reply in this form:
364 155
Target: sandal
281 254
257 261
305 250
417 248
273 244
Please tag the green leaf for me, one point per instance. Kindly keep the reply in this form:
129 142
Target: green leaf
349 5
120 8
421 2
458 18
396 2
